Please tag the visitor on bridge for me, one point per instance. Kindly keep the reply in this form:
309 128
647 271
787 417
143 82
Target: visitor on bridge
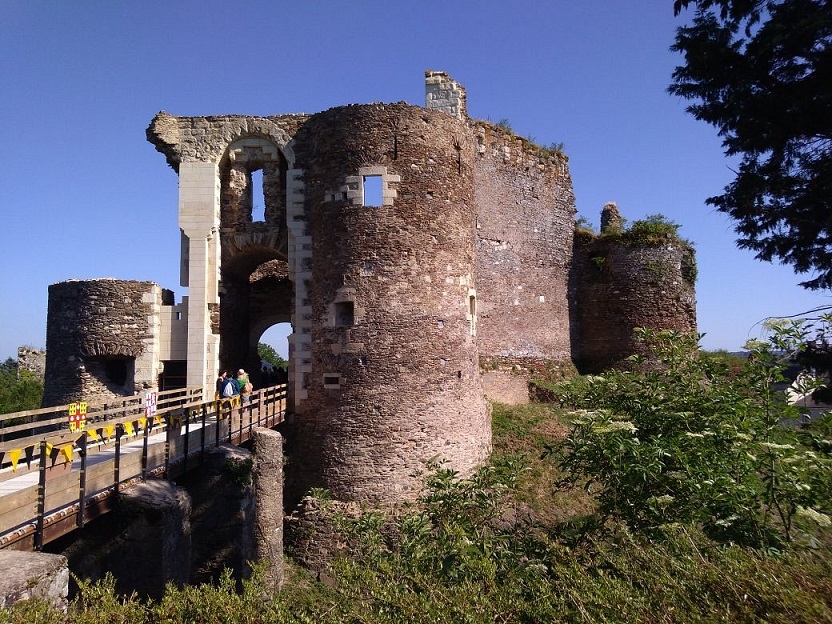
229 387
245 385
220 381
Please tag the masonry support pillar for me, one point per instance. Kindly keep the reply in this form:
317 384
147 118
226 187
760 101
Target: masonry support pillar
159 536
268 487
300 272
199 219
145 542
223 514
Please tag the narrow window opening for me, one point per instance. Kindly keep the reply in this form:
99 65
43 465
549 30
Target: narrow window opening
258 200
472 311
372 190
332 381
344 314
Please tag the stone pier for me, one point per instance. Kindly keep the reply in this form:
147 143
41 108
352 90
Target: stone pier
145 544
223 514
268 484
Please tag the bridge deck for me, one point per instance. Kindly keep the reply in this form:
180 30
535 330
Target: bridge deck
50 496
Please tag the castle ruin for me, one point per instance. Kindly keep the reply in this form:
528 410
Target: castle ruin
468 253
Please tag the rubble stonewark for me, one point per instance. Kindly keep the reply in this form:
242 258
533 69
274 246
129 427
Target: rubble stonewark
102 339
31 360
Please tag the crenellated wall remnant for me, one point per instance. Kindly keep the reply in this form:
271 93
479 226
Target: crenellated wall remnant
31 360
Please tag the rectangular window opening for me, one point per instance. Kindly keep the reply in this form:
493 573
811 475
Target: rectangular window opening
372 190
344 314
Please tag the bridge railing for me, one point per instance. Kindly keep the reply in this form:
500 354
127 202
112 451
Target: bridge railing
28 423
78 472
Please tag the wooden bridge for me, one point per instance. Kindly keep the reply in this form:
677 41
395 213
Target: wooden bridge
61 467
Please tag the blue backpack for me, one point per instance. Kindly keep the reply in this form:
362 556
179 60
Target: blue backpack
229 388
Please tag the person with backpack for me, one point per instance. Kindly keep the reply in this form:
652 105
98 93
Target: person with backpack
245 385
220 381
228 387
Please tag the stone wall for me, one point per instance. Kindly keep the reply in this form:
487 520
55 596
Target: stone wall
28 575
206 139
32 360
145 543
525 219
222 514
102 339
314 534
505 387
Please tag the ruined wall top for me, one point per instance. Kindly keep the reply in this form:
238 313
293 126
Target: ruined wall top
206 139
444 93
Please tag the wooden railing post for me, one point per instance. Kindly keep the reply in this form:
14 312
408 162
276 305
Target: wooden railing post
82 479
41 497
117 458
204 419
144 451
187 445
169 420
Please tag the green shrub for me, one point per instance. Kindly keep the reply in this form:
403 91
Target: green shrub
652 230
684 441
18 393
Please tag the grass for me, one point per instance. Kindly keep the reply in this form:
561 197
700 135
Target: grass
529 571
524 431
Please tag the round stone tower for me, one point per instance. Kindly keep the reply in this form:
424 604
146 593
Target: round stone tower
101 339
622 286
393 380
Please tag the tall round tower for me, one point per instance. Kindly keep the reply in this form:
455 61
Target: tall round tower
392 380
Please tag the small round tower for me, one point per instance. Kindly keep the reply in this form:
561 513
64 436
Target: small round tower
626 280
101 339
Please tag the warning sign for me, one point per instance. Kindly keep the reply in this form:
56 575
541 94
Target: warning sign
149 404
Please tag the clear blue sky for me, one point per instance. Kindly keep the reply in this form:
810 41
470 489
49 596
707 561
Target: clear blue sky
83 194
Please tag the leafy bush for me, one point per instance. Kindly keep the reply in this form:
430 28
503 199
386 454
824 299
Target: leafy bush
685 441
475 550
653 229
18 393
466 553
268 354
